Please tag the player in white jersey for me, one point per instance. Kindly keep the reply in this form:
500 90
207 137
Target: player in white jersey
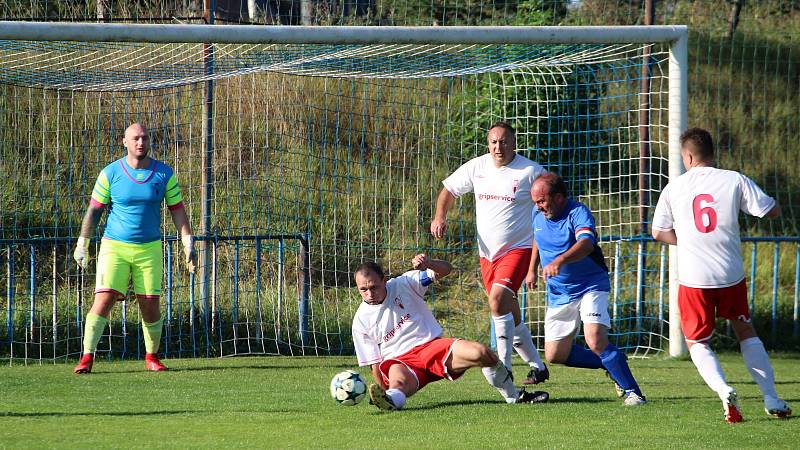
501 181
396 334
698 212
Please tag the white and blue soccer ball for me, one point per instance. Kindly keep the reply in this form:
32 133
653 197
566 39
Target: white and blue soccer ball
348 388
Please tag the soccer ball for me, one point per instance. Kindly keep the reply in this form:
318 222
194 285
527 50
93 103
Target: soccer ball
348 388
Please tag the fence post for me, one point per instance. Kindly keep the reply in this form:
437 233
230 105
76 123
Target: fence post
32 292
753 256
10 299
795 327
615 297
168 318
305 288
775 263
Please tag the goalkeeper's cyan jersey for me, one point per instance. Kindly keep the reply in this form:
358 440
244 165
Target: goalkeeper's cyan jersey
135 196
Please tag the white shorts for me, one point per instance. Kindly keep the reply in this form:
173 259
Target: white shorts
561 321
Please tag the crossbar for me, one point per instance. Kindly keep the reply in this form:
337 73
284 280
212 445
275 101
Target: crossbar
282 34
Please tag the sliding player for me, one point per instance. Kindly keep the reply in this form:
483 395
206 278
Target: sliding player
396 334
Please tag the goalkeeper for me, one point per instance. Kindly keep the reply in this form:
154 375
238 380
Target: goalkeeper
132 188
396 334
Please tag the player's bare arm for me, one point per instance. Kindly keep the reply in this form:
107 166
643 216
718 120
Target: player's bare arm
533 267
444 202
774 212
422 262
90 220
667 237
578 251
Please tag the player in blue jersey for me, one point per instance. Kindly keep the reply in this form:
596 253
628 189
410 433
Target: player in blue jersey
132 189
565 243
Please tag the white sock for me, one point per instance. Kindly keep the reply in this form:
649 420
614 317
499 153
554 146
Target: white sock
398 397
504 332
523 344
708 365
499 377
757 362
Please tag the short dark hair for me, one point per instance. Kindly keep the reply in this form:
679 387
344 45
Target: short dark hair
699 142
370 266
503 125
554 183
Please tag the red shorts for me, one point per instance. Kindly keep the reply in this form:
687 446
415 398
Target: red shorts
426 361
508 271
701 307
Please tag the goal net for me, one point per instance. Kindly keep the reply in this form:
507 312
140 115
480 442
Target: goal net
302 152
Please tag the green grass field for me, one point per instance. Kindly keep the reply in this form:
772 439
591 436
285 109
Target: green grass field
280 402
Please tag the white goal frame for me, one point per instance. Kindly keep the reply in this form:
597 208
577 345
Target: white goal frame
676 36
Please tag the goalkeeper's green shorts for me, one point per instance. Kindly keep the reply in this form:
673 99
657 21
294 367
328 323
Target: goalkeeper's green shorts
118 261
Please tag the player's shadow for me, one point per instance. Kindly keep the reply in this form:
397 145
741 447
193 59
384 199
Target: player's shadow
201 368
588 400
98 414
449 404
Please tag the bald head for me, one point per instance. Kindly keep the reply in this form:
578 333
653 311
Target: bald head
136 141
135 129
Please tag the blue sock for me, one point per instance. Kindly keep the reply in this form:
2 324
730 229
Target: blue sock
583 357
617 365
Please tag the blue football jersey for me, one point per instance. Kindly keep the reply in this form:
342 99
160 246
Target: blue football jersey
554 237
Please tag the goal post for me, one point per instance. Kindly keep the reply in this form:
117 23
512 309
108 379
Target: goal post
678 119
341 135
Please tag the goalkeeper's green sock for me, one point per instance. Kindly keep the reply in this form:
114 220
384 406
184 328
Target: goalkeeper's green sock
93 332
152 335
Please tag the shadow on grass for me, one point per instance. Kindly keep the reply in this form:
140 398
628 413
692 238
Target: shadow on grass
220 368
454 403
110 414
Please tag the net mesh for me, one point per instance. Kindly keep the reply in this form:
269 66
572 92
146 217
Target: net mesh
323 156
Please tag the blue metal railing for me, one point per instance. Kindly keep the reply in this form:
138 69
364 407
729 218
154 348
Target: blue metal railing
644 290
193 323
202 334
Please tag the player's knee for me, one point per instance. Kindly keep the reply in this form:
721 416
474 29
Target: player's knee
553 357
496 306
597 344
486 357
743 330
474 354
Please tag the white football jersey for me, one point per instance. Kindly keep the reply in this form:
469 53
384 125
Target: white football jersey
503 204
402 322
702 206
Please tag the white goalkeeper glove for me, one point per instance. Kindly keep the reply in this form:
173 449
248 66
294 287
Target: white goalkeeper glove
81 253
188 250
